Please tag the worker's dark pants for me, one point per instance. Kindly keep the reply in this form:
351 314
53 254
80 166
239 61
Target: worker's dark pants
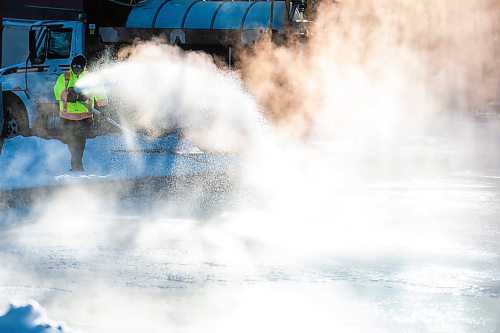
75 133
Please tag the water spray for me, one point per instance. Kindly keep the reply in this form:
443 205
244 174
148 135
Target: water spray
107 118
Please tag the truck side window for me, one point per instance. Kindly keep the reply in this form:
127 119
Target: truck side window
59 44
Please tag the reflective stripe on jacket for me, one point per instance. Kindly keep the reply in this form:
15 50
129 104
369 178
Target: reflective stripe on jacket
70 110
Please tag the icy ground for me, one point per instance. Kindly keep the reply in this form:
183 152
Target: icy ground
417 250
108 157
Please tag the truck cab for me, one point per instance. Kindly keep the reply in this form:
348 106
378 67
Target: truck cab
29 106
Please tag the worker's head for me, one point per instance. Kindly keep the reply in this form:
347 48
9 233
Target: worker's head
78 64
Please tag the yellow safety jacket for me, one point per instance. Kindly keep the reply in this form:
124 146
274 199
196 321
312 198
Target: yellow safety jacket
74 110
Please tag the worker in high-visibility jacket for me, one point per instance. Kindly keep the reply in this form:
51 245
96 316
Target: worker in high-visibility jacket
77 120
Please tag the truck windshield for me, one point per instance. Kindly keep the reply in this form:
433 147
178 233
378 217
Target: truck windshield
59 44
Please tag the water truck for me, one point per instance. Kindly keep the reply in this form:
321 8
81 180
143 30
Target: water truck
217 27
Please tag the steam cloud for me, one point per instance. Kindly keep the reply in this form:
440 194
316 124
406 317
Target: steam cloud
372 66
160 89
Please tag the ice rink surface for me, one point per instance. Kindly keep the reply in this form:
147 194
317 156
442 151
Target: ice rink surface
390 247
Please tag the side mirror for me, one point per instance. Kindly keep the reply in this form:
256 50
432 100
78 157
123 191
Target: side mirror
32 43
1 117
32 49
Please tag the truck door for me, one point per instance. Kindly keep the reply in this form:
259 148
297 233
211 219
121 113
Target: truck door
53 57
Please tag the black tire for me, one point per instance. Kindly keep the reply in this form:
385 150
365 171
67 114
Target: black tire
16 119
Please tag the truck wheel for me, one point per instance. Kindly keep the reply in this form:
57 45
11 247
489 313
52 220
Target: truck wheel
16 120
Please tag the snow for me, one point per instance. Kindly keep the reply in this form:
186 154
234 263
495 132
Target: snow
28 162
28 317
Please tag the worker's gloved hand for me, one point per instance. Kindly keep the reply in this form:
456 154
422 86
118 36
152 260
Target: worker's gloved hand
71 95
82 98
